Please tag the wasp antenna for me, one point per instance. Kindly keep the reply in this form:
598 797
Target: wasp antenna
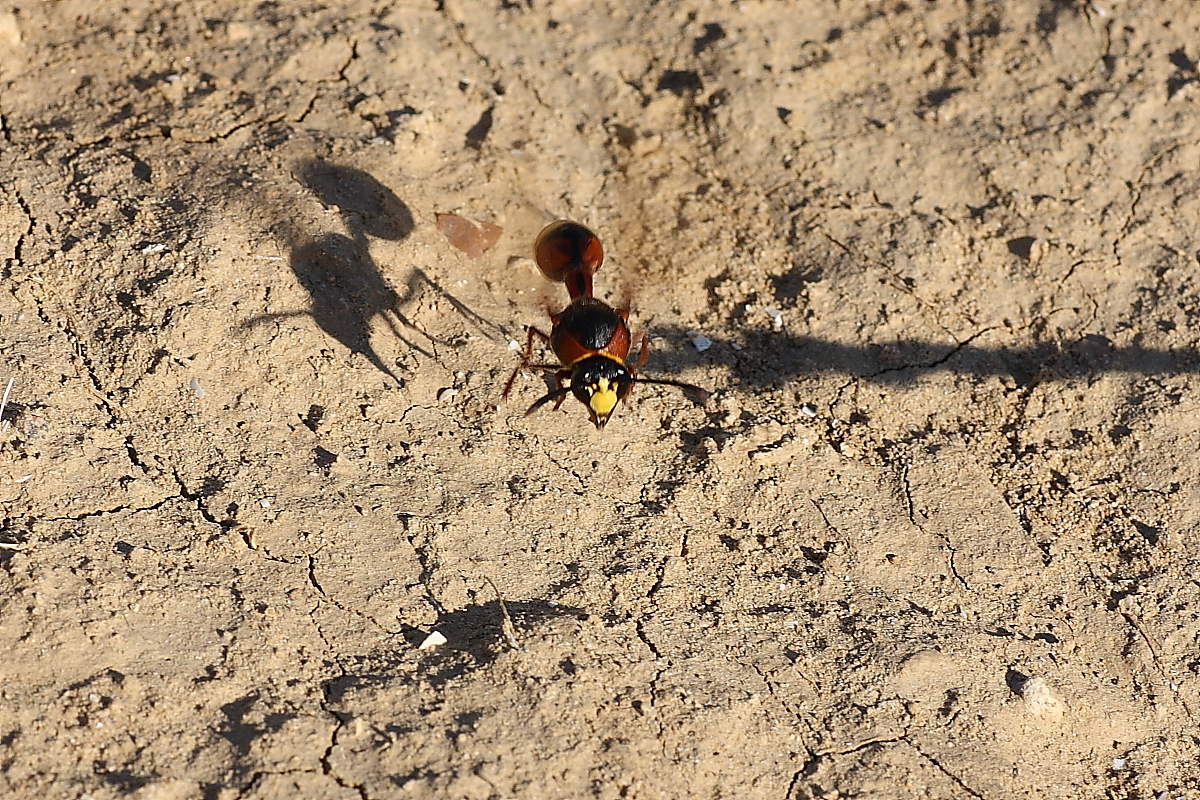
557 393
699 394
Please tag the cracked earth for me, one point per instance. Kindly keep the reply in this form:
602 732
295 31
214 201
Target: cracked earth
934 535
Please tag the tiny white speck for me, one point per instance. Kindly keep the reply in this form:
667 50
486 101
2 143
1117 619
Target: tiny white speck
513 344
197 388
808 410
1119 764
265 502
776 317
153 248
23 478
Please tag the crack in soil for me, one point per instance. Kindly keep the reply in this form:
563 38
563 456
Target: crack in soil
197 499
326 757
957 780
100 512
937 362
1137 627
912 517
639 626
18 248
315 584
1135 197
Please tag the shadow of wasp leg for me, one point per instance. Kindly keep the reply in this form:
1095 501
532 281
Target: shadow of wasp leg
531 332
559 377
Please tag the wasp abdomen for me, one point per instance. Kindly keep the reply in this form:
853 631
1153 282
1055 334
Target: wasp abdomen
569 253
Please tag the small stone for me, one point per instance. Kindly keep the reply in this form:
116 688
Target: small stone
1040 699
699 341
435 639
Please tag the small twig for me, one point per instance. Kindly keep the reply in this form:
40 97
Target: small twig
4 402
506 626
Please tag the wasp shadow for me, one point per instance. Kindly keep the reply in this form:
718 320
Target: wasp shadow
769 360
346 287
368 207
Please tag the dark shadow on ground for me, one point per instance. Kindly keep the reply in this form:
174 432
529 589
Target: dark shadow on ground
474 638
771 359
347 288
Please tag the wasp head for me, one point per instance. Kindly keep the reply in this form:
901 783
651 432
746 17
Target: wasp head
600 382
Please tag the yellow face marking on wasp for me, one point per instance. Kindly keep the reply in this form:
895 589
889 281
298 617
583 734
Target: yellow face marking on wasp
602 397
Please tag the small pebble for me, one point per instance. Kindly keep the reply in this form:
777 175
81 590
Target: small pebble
435 639
808 410
449 393
1040 699
699 341
197 388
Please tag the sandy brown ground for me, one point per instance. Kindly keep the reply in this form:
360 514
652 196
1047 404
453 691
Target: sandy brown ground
934 536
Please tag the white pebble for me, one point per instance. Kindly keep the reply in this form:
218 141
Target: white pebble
1040 699
197 388
448 393
699 341
776 317
435 639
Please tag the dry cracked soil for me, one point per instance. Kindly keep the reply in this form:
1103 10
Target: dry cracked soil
933 536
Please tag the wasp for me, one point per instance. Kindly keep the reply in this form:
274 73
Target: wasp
590 338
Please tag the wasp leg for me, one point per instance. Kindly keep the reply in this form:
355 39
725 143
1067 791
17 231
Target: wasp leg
559 377
531 332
